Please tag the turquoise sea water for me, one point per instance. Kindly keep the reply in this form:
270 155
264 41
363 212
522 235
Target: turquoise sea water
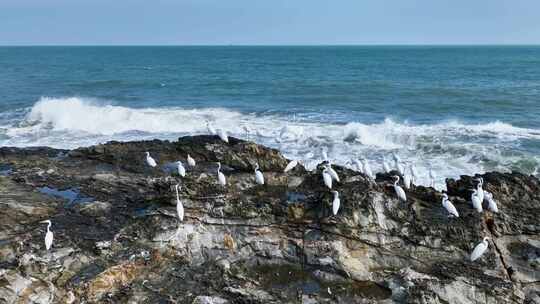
458 109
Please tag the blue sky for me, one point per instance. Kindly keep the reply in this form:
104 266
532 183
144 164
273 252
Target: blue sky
75 22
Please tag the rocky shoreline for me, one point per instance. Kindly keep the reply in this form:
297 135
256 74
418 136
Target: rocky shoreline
117 238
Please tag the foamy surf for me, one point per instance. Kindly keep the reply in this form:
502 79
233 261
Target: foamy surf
451 148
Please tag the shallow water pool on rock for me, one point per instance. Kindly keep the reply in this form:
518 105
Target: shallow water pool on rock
289 279
72 195
5 169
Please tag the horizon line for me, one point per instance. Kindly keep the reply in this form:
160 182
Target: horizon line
268 45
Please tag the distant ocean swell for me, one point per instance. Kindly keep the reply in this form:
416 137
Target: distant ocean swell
451 148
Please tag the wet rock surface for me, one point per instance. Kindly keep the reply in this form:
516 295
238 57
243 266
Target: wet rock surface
117 238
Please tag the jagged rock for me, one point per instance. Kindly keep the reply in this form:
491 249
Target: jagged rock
272 243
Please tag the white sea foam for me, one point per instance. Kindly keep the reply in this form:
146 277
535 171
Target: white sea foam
451 147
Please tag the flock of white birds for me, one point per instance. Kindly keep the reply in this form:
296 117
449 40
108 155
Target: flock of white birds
329 175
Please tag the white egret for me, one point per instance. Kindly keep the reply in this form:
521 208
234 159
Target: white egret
327 178
480 249
414 173
447 204
399 191
48 235
492 204
407 181
431 178
324 154
479 189
358 165
210 128
259 177
367 169
221 177
191 162
150 161
385 166
476 202
290 166
179 205
223 135
181 169
336 202
332 172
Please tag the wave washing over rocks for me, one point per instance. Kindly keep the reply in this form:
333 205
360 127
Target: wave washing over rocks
117 238
449 148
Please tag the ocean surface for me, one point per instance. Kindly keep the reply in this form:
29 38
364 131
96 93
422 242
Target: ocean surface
456 109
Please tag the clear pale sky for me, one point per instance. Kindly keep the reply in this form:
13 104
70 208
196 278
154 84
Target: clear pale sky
140 22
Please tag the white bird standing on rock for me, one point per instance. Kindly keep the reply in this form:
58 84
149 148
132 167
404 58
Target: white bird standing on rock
367 169
492 205
221 177
259 177
191 162
332 172
179 205
414 173
210 128
480 190
324 154
48 235
447 204
407 181
335 203
290 166
480 249
358 165
476 202
327 178
385 166
399 191
150 161
223 135
181 169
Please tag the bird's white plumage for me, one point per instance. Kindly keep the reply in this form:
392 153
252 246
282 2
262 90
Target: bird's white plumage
492 204
191 162
333 173
179 205
367 169
480 249
290 165
447 204
150 161
49 235
385 166
359 166
324 154
480 190
259 177
221 177
327 178
407 181
335 203
476 202
181 169
223 135
399 191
